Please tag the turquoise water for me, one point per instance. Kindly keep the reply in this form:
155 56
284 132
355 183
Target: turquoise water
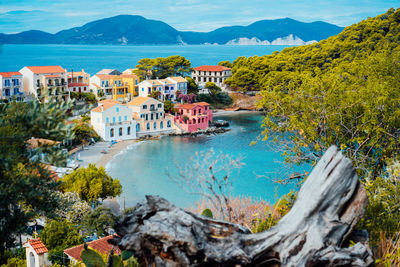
93 58
142 168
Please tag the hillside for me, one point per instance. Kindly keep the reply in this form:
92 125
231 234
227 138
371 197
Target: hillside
135 30
356 41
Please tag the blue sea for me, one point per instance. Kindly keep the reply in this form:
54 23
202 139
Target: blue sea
143 168
93 58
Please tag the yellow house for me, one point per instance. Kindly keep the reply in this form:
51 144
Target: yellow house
124 87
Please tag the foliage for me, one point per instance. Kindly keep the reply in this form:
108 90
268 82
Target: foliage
213 89
210 175
71 207
100 94
83 131
388 250
155 94
192 87
58 235
225 63
168 106
207 213
221 100
15 262
92 258
383 211
91 183
163 67
99 221
26 186
356 41
189 98
85 118
87 97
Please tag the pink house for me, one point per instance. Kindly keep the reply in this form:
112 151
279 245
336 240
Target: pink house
192 117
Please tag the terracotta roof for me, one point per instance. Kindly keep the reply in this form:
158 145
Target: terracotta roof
139 100
187 106
178 79
128 76
202 104
101 245
46 69
37 245
9 74
52 76
106 76
105 106
153 82
211 68
108 101
77 84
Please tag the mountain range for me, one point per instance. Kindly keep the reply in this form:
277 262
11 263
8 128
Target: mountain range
137 30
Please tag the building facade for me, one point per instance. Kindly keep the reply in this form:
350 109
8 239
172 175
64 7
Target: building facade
46 82
167 88
118 87
11 86
150 116
216 74
113 121
193 117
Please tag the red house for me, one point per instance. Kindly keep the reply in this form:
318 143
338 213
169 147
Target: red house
192 117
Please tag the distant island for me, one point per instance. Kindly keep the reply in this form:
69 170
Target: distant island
137 30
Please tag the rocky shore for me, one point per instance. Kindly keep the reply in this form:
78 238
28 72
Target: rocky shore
209 131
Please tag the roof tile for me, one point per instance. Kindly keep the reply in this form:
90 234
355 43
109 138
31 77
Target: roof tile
101 245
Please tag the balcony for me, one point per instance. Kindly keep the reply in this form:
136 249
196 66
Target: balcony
119 123
153 109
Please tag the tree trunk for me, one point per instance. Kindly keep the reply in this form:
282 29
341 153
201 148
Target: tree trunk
329 205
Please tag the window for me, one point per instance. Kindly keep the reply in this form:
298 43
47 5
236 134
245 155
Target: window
157 116
152 107
125 118
117 109
194 112
15 82
119 119
151 116
148 126
113 119
144 106
120 131
7 82
168 124
128 131
138 127
107 120
159 105
142 89
112 132
161 125
147 117
155 125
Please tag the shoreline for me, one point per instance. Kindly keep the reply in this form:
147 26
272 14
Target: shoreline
93 154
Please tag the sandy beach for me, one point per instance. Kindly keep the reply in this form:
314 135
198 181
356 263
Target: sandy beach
93 154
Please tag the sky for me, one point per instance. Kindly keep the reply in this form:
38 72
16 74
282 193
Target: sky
192 15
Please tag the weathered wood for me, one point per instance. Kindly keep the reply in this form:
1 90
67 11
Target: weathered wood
328 206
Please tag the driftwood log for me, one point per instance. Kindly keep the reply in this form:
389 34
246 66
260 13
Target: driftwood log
313 233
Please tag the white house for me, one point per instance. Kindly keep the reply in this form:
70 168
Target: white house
216 74
11 86
46 82
167 87
113 121
150 116
36 253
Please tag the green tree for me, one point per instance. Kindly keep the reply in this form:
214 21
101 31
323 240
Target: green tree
212 88
26 186
225 63
91 183
244 80
58 235
15 262
168 106
155 94
163 67
192 87
84 132
144 68
99 221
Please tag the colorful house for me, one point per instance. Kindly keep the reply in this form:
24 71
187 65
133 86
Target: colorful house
216 74
100 245
11 86
150 116
117 87
78 81
46 82
167 87
193 117
113 121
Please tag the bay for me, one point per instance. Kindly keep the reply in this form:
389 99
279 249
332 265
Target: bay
93 58
142 168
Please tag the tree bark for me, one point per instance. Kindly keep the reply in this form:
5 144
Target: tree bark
328 206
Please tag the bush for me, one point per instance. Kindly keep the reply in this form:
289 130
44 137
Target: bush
15 262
